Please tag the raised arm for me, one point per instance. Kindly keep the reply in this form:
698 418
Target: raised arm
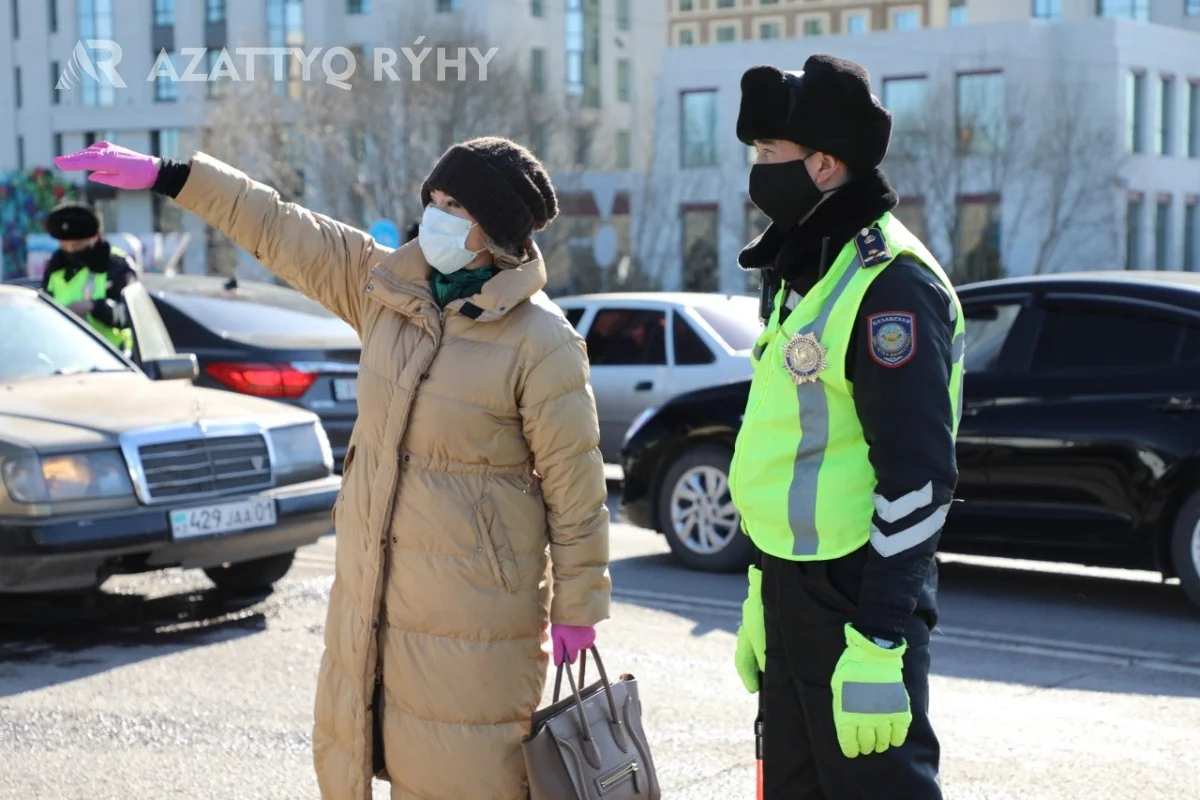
324 259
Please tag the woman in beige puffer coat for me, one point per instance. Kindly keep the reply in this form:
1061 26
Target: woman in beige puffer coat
472 516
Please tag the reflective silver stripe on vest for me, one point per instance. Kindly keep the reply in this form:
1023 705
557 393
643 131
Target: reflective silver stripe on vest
957 350
814 438
874 698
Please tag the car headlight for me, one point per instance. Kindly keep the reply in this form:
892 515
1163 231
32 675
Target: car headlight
301 453
638 422
99 475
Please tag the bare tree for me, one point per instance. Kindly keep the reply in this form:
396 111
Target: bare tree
1049 162
361 152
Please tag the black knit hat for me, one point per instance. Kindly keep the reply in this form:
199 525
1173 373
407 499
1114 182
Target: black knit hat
68 221
827 107
500 183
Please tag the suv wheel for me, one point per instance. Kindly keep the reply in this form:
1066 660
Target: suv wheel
1185 548
261 573
697 514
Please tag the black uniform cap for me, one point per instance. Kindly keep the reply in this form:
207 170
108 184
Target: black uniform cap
68 221
826 107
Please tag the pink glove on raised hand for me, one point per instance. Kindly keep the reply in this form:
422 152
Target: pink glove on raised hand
570 640
112 165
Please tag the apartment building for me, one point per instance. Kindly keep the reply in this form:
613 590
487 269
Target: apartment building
598 58
700 22
1042 147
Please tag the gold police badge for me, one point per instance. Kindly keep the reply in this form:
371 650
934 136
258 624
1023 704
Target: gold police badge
804 358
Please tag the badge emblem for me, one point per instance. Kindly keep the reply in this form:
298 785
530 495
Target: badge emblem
893 337
872 247
804 358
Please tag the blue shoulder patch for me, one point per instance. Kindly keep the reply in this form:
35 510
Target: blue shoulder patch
872 247
893 337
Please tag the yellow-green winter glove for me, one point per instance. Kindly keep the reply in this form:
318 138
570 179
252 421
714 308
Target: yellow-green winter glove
870 704
750 658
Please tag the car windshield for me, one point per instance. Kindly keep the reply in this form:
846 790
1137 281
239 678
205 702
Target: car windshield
37 340
735 321
252 312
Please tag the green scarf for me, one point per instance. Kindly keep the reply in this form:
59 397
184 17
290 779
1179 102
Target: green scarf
456 285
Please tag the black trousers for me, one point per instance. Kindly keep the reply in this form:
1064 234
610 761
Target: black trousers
807 605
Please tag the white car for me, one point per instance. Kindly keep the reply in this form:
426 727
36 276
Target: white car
646 347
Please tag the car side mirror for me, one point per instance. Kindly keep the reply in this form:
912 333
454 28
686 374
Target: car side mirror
182 367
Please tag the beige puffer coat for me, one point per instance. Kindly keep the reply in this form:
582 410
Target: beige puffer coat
472 512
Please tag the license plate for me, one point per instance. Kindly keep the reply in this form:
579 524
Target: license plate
224 518
345 389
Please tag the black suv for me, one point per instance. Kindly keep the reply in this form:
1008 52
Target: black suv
1079 440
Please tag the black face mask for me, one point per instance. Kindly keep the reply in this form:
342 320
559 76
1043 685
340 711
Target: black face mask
785 192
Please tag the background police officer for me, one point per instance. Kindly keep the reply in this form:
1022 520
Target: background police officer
86 274
844 465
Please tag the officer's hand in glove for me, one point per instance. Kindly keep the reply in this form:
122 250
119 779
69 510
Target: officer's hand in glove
750 658
870 704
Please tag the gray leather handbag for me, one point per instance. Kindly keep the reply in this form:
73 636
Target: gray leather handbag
590 746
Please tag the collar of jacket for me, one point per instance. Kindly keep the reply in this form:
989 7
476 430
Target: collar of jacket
796 253
98 258
408 272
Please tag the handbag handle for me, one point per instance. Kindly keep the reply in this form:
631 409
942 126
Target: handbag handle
614 718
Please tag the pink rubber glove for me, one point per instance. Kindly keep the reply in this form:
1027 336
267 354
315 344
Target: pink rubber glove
570 640
112 165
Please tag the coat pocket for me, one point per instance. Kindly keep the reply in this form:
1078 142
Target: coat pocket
495 547
349 460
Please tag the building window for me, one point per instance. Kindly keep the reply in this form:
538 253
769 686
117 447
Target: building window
21 153
725 33
58 145
700 263
770 30
858 23
1133 232
624 15
358 6
15 5
1189 235
907 99
537 9
55 76
624 150
17 86
911 212
624 80
726 3
980 112
1138 10
95 21
52 11
164 13
1191 8
583 147
977 255
1135 112
574 43
686 5
1162 233
813 26
537 141
1047 9
698 131
165 89
446 6
908 19
1193 120
687 37
1166 116
215 85
285 28
537 70
215 11
958 12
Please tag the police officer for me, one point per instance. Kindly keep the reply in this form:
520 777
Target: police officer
86 274
844 466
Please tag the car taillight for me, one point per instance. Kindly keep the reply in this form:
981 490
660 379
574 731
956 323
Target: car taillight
263 380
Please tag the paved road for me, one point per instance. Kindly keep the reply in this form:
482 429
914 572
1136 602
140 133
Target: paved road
1048 685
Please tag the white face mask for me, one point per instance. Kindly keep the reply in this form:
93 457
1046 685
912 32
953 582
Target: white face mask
443 240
